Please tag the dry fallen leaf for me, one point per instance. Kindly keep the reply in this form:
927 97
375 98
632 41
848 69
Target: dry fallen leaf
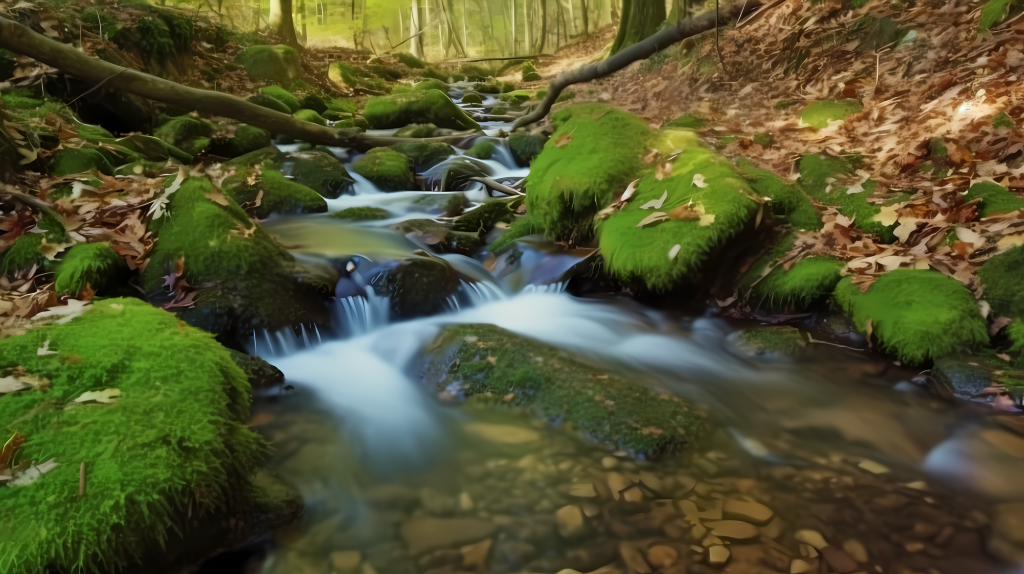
656 203
106 396
698 180
563 140
653 218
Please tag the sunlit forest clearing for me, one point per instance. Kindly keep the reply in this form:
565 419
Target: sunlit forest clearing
511 286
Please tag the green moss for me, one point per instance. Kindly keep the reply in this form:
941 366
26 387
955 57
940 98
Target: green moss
491 362
472 98
385 168
316 169
69 161
592 156
451 204
994 198
23 254
521 227
1002 277
282 95
269 103
819 114
440 237
311 117
430 106
410 60
530 73
416 131
763 139
499 110
483 149
174 445
188 134
361 213
664 252
917 315
1015 332
431 85
688 121
517 96
280 194
93 265
483 217
805 283
435 74
525 147
781 340
788 201
817 169
425 155
785 104
494 87
1002 120
996 12
279 64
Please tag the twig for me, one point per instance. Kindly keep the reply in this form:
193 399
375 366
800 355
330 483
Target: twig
94 88
407 39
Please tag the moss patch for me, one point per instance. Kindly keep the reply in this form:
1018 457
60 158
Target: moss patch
431 85
805 283
687 121
472 98
819 114
525 147
530 73
246 139
594 153
282 95
316 169
994 198
427 107
521 227
174 442
817 169
788 201
494 365
92 265
311 117
279 64
782 340
280 195
425 155
917 315
410 60
361 213
1002 277
269 103
699 219
416 131
23 254
483 149
385 168
69 161
185 133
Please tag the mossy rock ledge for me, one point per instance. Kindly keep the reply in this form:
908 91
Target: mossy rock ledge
316 168
166 451
280 195
420 107
278 64
385 168
498 368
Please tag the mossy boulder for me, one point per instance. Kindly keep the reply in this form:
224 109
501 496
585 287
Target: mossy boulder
426 107
438 237
594 153
246 139
431 85
69 161
499 368
277 194
425 155
530 73
269 103
482 149
167 445
808 281
672 225
994 198
917 315
385 168
410 60
525 147
819 114
25 252
1002 277
89 265
186 133
494 87
284 96
472 98
278 64
687 121
416 131
316 169
245 280
435 74
775 341
311 117
361 213
417 286
517 96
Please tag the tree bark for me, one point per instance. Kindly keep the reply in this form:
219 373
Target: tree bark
22 40
640 19
415 17
638 51
586 17
543 25
281 21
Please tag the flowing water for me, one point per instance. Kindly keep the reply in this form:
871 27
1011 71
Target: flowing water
843 444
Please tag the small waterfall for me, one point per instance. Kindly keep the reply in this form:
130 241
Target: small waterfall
552 288
360 315
481 292
283 342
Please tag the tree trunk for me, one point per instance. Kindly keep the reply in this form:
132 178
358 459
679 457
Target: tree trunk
300 15
543 25
586 17
640 19
415 17
281 21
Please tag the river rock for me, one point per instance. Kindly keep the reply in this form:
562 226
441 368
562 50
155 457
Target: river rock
838 560
718 555
416 286
662 556
812 538
423 534
583 490
752 512
505 434
475 556
732 529
570 521
633 558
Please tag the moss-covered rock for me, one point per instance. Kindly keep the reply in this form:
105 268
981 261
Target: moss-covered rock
425 155
89 265
416 131
170 447
284 96
994 198
427 107
687 121
417 286
530 73
279 64
483 217
818 171
185 133
385 168
280 195
25 252
410 60
435 74
245 279
482 149
594 153
431 85
774 341
819 114
69 161
269 103
446 204
316 169
472 98
917 315
521 227
1002 277
500 368
525 147
311 117
246 139
494 87
787 201
361 213
808 281
438 237
517 96
702 203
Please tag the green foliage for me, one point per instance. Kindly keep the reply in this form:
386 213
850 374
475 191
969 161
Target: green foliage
763 139
385 168
23 254
777 340
173 445
280 194
819 114
917 315
805 283
1002 120
282 95
279 64
996 12
430 106
788 201
559 386
700 219
521 227
1002 277
688 121
93 265
410 60
594 153
361 213
311 117
994 198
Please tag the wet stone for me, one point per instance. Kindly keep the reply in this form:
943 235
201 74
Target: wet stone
718 555
513 553
732 530
752 512
838 560
812 538
633 558
425 534
570 521
661 556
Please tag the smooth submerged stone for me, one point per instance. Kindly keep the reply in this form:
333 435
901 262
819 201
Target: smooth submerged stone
505 434
718 555
812 538
583 490
423 534
747 511
733 529
570 521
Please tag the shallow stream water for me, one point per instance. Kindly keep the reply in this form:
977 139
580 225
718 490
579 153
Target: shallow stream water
837 463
